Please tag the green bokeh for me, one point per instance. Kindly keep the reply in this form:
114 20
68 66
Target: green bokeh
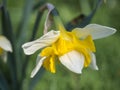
108 49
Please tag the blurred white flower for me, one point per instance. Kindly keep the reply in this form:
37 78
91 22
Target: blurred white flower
5 46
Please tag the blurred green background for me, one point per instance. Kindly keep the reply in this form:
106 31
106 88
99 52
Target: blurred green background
108 49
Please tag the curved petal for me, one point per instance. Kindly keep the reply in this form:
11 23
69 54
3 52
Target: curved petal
38 66
93 64
5 44
73 60
45 40
95 30
48 21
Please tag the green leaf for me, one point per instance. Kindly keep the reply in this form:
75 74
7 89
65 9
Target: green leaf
34 31
3 82
22 30
36 78
82 20
1 7
21 35
8 32
4 3
38 4
35 28
36 25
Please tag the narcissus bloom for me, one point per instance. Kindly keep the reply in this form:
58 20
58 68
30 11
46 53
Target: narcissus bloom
74 49
5 46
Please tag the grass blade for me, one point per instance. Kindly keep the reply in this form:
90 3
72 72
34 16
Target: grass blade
36 78
3 82
7 31
83 20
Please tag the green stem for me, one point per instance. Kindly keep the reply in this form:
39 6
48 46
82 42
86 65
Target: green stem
57 20
85 6
56 17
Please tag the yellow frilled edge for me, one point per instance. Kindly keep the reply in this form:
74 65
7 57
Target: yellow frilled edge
67 42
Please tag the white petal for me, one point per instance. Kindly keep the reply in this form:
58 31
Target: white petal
95 30
38 66
73 60
48 21
50 6
5 44
45 40
93 64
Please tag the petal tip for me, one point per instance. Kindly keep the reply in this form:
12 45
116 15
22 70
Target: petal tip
96 68
32 74
114 30
38 66
11 50
78 72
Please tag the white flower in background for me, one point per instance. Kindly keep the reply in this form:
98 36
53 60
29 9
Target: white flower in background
5 46
74 49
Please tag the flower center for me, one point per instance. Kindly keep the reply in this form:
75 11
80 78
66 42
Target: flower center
65 44
1 51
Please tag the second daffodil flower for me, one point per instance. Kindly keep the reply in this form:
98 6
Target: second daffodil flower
74 49
5 46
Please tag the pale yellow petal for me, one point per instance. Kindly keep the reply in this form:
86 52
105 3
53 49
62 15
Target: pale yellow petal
95 30
5 44
45 40
48 21
38 66
73 60
93 64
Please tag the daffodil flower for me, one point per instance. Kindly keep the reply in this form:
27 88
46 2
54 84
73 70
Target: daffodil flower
5 46
74 49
